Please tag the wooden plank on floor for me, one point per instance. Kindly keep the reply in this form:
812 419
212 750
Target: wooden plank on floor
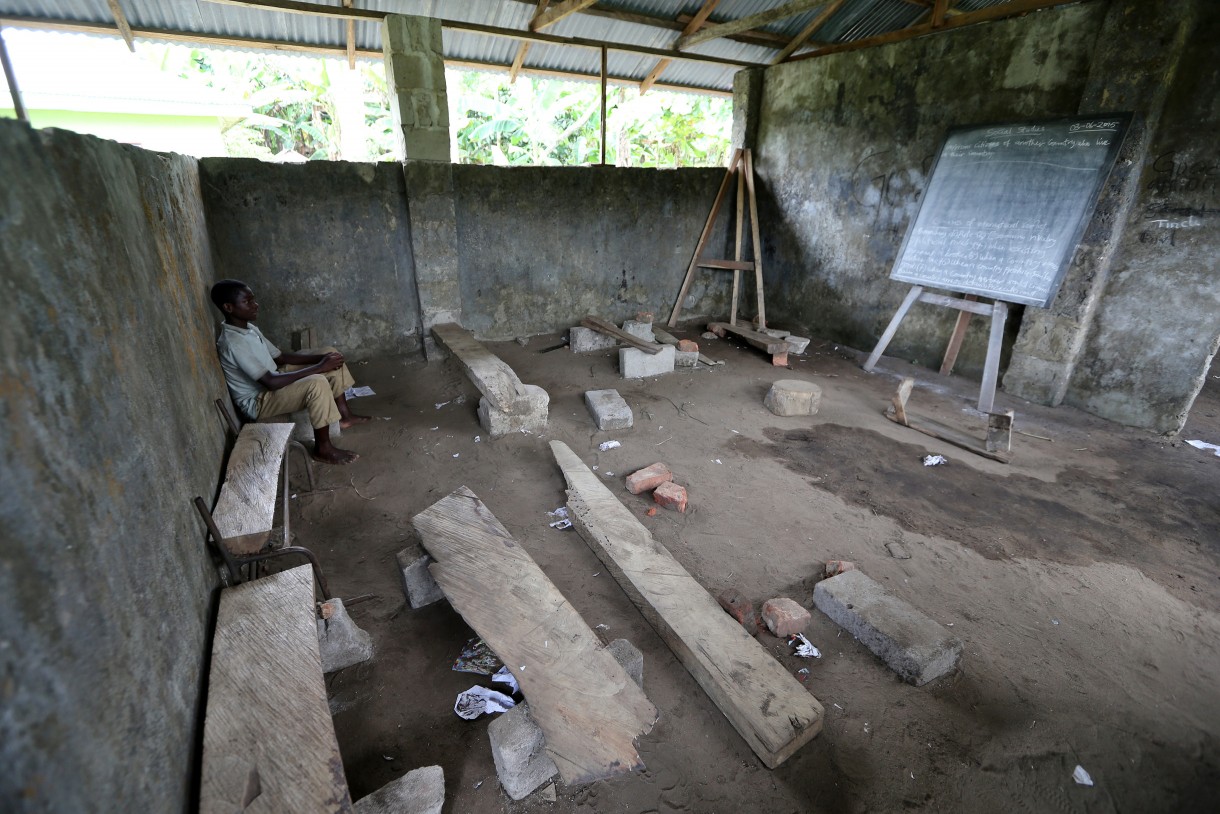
666 338
950 435
589 709
495 379
763 342
767 706
609 329
268 739
246 506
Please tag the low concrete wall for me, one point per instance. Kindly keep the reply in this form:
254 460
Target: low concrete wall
540 247
324 245
107 371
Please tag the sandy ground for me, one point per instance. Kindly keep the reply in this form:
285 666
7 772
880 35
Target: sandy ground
1082 579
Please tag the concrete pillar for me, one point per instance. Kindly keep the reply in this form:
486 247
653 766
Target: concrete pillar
415 80
1125 74
432 215
747 106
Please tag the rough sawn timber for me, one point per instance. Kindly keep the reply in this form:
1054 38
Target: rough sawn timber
246 507
268 739
766 705
490 374
589 709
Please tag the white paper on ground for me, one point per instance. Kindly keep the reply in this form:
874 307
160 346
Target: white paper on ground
357 392
505 676
1204 445
1082 777
934 460
478 701
804 647
605 445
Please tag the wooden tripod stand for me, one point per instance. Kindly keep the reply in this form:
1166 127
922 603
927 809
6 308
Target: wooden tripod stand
742 166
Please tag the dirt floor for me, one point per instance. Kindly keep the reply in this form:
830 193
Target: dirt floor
1083 579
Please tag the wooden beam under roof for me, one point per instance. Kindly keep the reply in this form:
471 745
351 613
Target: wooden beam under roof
558 12
524 48
1011 9
695 24
120 20
351 39
808 31
11 78
746 23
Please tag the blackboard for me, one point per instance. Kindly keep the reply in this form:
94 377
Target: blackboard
1006 206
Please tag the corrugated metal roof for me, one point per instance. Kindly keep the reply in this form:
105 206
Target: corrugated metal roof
856 20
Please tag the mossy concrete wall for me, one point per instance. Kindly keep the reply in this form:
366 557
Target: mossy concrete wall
108 371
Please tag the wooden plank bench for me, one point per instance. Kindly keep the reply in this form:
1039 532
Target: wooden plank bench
495 379
777 348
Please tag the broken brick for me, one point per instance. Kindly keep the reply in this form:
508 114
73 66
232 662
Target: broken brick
671 496
780 359
652 512
784 617
648 478
836 567
687 346
740 608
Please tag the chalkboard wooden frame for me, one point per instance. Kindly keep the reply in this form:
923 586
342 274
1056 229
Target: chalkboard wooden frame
963 238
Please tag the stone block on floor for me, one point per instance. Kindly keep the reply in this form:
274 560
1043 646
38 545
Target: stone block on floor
530 414
913 645
796 344
419 791
640 329
784 617
790 397
609 410
417 583
518 749
634 363
684 358
586 340
341 641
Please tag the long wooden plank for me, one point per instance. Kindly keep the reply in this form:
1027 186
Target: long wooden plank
558 12
808 31
755 237
268 739
609 329
944 432
767 706
692 25
764 342
589 709
718 263
495 379
246 506
747 23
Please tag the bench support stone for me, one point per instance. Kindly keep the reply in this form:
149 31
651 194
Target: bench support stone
341 641
419 791
610 411
530 414
418 584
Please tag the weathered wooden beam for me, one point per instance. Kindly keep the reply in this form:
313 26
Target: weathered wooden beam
577 76
694 25
558 12
524 48
120 20
808 31
747 23
11 79
351 39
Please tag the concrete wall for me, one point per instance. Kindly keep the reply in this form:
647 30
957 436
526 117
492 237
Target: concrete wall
324 245
107 372
540 247
846 142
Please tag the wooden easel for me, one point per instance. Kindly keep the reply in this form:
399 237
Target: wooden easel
968 305
742 166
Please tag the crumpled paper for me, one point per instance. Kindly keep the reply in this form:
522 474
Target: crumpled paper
478 701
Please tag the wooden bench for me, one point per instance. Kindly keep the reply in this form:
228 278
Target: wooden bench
240 526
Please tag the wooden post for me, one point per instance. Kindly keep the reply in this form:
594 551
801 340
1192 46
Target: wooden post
707 231
13 90
755 238
955 341
892 328
741 192
603 104
991 368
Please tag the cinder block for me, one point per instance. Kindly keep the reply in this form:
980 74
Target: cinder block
629 658
531 414
518 748
796 344
419 791
784 617
671 496
341 641
584 340
789 397
684 358
640 329
609 410
634 363
417 582
650 477
914 646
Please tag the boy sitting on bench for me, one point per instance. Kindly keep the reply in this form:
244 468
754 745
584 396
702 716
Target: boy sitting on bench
264 381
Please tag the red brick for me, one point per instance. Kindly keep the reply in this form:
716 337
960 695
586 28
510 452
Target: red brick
648 478
671 496
652 512
780 359
836 567
740 609
784 617
687 346
643 316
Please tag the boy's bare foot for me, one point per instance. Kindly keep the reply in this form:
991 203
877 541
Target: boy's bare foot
335 456
353 419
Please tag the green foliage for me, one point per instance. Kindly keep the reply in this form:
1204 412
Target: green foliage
316 109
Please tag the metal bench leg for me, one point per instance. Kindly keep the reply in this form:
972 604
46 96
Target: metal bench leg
299 447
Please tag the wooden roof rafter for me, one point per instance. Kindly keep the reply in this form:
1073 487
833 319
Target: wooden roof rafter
695 23
524 47
747 23
120 21
808 31
558 12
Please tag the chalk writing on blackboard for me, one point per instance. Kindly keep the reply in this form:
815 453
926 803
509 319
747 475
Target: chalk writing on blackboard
1006 206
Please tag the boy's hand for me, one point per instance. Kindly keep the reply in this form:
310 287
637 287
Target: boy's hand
331 361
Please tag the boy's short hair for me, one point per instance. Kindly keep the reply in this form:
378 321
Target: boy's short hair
226 291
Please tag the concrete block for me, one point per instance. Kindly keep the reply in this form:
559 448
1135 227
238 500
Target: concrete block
789 397
609 410
914 646
796 344
530 415
784 617
518 748
634 363
671 496
684 358
341 641
417 582
648 478
640 329
419 791
585 340
629 658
